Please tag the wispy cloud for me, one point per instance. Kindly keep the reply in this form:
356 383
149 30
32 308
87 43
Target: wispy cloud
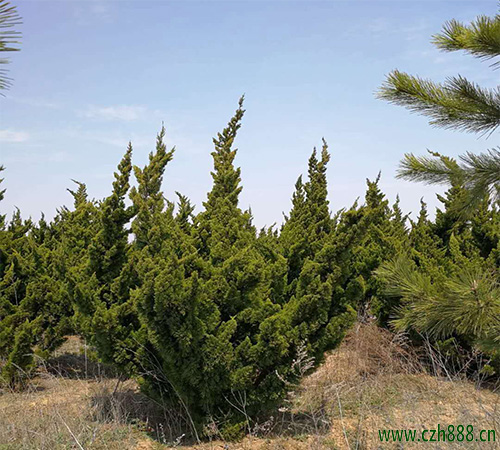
13 136
120 112
111 138
87 12
35 102
382 27
37 158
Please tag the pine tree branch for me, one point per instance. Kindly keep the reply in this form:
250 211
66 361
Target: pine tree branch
8 38
434 169
483 168
456 104
467 303
478 173
481 38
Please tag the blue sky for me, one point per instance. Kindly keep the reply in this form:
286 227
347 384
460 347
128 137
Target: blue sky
94 74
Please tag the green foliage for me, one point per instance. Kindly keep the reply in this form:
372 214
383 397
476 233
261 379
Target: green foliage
481 38
446 283
8 38
203 309
223 327
385 235
33 305
466 303
479 173
214 316
309 223
456 104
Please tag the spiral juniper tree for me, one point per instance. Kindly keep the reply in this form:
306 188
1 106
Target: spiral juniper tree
204 291
35 311
309 221
219 330
385 236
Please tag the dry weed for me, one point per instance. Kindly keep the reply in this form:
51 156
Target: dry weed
372 381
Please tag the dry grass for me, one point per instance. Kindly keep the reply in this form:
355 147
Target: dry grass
55 415
72 404
371 382
374 382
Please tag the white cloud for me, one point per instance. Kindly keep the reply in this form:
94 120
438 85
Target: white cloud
37 158
111 138
13 136
120 112
87 12
36 102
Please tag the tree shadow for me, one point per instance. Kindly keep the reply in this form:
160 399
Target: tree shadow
75 366
166 425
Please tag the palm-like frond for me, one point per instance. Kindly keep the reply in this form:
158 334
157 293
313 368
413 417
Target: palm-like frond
9 38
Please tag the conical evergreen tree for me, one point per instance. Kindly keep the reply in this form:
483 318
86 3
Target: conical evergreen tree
385 236
105 314
447 284
309 222
223 295
34 312
211 295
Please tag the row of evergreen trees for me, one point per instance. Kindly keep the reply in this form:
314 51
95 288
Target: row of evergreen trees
208 312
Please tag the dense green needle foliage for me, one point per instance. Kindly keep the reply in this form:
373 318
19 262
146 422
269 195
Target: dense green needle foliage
386 235
220 319
445 285
481 38
34 303
446 282
455 104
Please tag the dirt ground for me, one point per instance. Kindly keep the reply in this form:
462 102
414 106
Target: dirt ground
371 382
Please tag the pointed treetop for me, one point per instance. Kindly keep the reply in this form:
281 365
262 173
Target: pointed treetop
185 211
316 187
299 196
423 214
151 176
2 192
325 156
226 177
80 195
122 176
397 208
374 197
147 197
